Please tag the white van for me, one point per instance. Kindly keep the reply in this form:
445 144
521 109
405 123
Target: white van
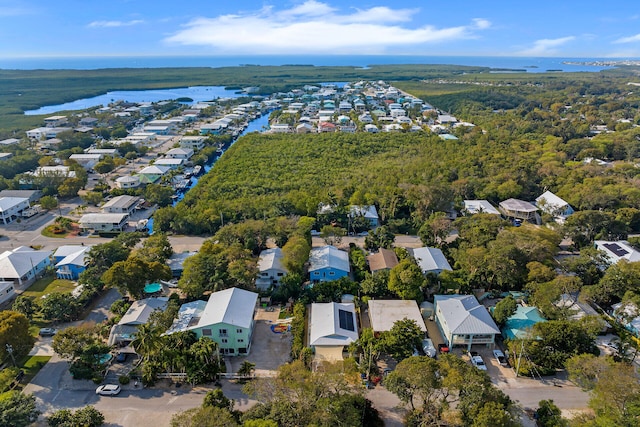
428 347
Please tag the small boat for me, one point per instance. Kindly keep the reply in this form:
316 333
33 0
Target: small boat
197 170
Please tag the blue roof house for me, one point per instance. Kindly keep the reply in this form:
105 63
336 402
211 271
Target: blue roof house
70 261
328 263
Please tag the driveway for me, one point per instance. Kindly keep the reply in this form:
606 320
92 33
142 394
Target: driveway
269 350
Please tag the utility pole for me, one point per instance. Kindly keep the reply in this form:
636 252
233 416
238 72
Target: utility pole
10 351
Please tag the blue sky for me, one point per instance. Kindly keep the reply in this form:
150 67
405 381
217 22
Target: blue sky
250 27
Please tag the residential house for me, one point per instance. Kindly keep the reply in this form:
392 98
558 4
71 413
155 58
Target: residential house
228 320
32 195
384 313
54 172
11 208
271 268
22 265
128 181
519 324
70 261
176 263
384 259
280 128
7 291
328 263
152 173
519 209
170 163
88 121
121 204
628 315
479 206
332 327
326 127
195 143
555 206
112 152
138 314
616 251
5 156
104 221
370 213
45 133
462 320
371 128
179 153
430 260
87 161
304 128
9 141
55 121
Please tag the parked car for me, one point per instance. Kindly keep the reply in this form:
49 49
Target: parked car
428 348
47 332
121 357
108 390
478 362
499 355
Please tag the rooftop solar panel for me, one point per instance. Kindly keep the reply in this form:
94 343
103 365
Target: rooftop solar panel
346 320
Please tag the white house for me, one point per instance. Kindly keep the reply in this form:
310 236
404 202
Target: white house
128 181
11 208
138 314
554 206
195 143
179 153
104 221
462 320
616 251
170 163
7 291
121 204
22 265
87 161
479 206
332 327
370 213
430 260
270 268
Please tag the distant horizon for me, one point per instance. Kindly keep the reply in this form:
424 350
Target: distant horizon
123 28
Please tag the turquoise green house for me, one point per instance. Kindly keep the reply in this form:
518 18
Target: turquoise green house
228 320
520 323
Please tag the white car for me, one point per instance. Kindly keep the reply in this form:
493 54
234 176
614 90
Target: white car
478 363
108 390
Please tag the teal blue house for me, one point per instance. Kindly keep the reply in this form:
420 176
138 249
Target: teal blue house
328 263
70 261
520 323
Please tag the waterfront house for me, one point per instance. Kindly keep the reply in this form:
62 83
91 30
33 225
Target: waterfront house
195 143
179 153
104 221
152 173
128 181
121 204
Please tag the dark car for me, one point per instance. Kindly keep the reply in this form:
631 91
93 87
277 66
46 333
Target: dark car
121 357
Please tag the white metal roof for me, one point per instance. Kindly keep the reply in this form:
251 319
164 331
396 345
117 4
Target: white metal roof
271 259
103 218
367 211
17 263
76 257
233 306
155 170
123 201
188 316
480 206
430 259
551 201
384 313
518 205
140 310
325 327
7 203
328 257
615 251
463 314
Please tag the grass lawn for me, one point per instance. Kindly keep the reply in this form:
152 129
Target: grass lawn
31 366
47 285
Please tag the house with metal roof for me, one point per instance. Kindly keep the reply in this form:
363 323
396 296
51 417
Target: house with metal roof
519 209
22 265
519 324
70 261
189 316
179 153
430 260
138 314
370 213
11 208
618 250
332 327
384 259
176 262
384 313
463 321
172 163
128 181
271 268
328 263
479 206
228 320
152 173
7 291
104 221
553 205
121 204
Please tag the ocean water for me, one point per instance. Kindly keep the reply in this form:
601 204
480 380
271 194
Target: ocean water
530 64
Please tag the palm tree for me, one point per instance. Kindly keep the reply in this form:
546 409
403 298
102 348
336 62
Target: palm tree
247 369
147 341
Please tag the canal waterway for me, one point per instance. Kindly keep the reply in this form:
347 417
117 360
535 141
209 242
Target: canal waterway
259 124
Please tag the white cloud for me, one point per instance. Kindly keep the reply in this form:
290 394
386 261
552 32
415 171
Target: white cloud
314 27
630 39
112 24
546 47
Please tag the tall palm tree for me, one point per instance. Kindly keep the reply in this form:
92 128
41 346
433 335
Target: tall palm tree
147 341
